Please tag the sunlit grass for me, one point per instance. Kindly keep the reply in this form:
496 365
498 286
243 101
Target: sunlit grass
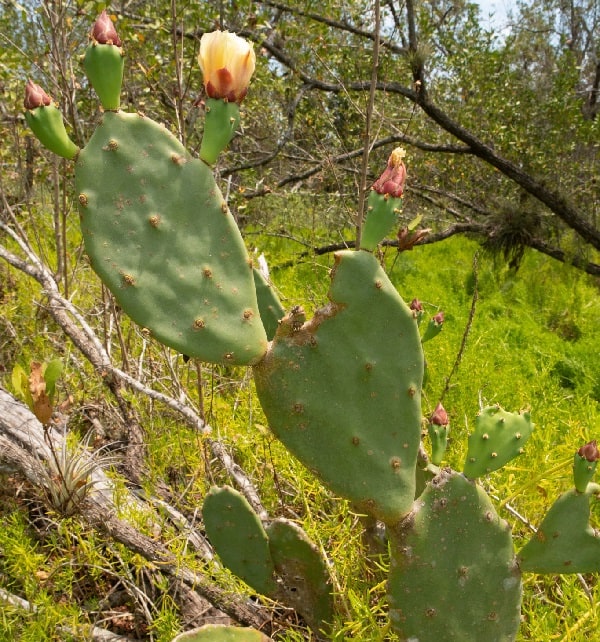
532 344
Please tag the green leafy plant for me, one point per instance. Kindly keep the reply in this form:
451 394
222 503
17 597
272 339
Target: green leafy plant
341 390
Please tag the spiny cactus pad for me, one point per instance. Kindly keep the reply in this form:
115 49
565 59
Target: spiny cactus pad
565 542
454 575
306 584
499 436
161 238
239 538
271 310
221 633
342 391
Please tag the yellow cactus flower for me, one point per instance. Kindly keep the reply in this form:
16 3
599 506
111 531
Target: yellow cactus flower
227 62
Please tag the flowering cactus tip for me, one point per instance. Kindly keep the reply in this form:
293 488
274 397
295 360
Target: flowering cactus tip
35 96
227 62
104 32
392 180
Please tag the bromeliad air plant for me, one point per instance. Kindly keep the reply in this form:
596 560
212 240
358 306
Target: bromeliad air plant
227 62
342 391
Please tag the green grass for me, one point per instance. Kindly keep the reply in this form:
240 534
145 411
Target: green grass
532 344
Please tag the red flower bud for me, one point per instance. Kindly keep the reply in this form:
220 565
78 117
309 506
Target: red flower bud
391 182
104 32
416 305
590 451
439 416
35 96
438 319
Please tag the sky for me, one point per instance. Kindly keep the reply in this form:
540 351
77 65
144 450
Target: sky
496 10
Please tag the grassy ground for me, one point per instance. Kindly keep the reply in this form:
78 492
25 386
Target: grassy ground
532 344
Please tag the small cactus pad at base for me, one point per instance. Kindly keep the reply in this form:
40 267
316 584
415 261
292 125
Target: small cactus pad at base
237 534
499 436
221 633
306 585
161 238
343 390
565 542
454 575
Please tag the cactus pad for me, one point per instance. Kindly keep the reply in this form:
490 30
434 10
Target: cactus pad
342 391
454 575
565 542
239 538
221 633
160 236
271 310
305 579
499 436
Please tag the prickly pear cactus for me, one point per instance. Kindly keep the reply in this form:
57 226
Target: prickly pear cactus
221 633
499 436
160 236
280 561
565 542
271 310
454 575
239 538
305 578
343 390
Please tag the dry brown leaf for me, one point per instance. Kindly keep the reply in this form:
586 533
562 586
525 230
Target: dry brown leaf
42 406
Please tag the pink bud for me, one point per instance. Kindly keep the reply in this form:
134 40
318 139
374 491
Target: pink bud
104 32
439 416
589 452
416 305
391 182
35 96
438 319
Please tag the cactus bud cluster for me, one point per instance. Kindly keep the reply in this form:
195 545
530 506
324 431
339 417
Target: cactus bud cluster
584 465
438 434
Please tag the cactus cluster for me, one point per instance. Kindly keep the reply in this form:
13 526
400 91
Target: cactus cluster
277 560
342 390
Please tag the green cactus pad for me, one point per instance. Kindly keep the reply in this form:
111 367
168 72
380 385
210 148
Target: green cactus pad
454 575
221 633
161 238
306 585
48 126
342 391
499 436
565 542
221 123
271 310
104 65
237 534
382 216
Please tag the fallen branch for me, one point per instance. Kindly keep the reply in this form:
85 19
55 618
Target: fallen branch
26 447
